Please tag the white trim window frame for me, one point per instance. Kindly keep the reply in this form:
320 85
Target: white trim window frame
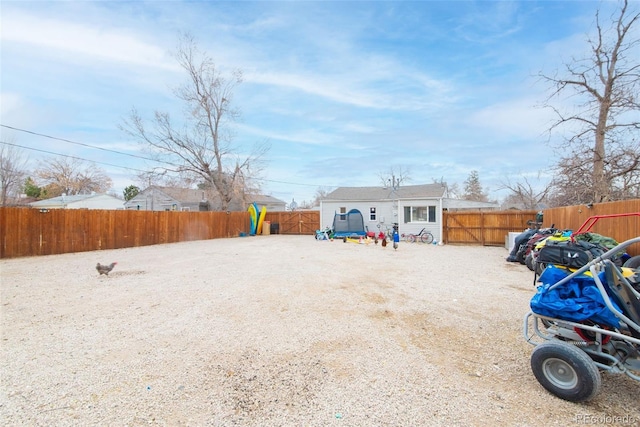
343 214
420 214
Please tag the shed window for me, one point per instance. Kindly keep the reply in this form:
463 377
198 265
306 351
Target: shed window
372 214
343 214
419 214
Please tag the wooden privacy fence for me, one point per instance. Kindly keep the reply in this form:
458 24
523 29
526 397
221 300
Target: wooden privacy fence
29 232
484 228
621 229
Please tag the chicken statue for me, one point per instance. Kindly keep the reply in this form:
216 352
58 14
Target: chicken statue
105 269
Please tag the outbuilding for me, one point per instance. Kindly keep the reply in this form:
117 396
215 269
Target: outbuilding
412 207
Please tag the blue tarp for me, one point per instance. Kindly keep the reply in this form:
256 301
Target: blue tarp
577 300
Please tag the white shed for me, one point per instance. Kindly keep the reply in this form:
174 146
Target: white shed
412 207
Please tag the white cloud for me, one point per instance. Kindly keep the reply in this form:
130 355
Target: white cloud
326 88
354 127
83 42
485 22
402 92
18 111
309 136
11 102
516 118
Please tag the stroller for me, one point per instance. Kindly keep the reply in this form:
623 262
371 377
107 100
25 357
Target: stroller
585 320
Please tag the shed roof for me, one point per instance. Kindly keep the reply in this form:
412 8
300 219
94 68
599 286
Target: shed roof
66 199
389 193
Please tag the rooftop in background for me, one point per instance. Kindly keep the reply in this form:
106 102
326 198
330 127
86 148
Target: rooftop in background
80 201
175 198
387 193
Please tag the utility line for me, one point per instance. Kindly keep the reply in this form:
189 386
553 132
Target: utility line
72 157
84 144
120 153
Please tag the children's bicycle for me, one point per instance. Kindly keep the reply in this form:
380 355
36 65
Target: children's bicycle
387 232
324 234
424 236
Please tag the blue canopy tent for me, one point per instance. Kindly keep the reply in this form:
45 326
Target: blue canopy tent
349 224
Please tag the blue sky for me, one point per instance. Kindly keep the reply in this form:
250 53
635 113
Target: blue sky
342 91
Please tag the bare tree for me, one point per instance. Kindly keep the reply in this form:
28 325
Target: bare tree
12 172
164 178
321 193
394 176
71 176
451 191
608 83
572 179
201 147
524 194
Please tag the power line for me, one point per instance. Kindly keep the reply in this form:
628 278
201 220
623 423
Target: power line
122 154
85 144
71 157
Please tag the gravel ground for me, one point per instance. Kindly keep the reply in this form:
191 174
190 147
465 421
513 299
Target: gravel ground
279 331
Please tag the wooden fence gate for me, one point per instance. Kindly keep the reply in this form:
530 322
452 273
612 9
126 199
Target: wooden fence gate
296 222
483 228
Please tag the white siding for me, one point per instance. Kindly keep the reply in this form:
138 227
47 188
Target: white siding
384 213
434 228
98 202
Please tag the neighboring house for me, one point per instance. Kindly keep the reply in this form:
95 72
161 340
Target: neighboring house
271 203
80 201
412 207
157 198
468 205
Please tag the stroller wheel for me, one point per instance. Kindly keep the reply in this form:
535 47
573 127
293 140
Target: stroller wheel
633 262
529 261
539 267
566 371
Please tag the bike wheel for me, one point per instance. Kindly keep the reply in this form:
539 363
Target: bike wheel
411 238
426 238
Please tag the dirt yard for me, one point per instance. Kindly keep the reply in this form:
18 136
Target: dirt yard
279 331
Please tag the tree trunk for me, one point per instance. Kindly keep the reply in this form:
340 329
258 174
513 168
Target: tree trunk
601 185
